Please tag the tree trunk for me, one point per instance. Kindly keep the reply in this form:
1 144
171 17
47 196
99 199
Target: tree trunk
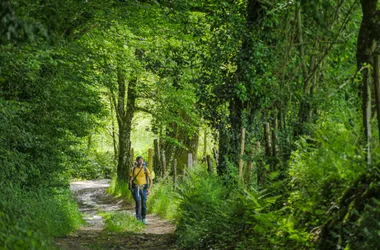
241 161
130 112
221 168
205 143
163 160
305 109
236 108
367 43
122 163
167 146
113 133
124 115
300 41
376 68
132 155
191 142
366 108
229 138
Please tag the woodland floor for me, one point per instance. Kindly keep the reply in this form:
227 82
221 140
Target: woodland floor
92 198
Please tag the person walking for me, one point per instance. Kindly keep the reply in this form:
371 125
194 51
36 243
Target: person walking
140 183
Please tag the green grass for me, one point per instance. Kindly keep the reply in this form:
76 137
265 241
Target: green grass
122 221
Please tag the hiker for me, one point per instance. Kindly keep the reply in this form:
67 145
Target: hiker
140 187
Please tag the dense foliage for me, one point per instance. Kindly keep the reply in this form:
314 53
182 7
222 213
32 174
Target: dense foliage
295 82
45 112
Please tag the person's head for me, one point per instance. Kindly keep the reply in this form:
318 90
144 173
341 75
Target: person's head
139 160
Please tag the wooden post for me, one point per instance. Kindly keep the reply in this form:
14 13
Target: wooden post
274 136
150 159
205 144
156 158
267 139
209 164
190 161
175 171
241 162
216 155
163 160
250 165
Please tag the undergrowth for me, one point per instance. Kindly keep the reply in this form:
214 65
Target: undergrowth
30 218
284 213
164 200
214 213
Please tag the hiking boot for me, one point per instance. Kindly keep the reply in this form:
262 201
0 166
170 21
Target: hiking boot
144 221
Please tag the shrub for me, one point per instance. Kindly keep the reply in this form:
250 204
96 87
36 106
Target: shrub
205 213
219 214
321 169
93 165
28 219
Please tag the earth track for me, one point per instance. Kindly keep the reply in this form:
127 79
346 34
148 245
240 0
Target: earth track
92 198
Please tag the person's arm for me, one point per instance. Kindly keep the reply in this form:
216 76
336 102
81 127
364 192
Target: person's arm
130 182
151 184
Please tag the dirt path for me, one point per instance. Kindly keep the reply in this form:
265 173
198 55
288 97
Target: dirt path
92 199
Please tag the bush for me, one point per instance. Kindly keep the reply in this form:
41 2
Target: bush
321 169
96 165
28 219
217 214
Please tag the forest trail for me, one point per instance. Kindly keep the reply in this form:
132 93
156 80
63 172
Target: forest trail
92 198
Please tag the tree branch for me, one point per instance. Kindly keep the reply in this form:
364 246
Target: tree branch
141 109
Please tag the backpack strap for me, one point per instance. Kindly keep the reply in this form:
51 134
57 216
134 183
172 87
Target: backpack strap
146 176
135 176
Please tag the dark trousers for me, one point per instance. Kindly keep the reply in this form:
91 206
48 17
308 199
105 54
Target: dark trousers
139 194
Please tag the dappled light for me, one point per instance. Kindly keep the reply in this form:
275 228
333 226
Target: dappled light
179 124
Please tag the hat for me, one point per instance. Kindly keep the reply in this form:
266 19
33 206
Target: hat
138 158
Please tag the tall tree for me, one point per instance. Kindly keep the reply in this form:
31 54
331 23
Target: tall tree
125 110
254 16
366 55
